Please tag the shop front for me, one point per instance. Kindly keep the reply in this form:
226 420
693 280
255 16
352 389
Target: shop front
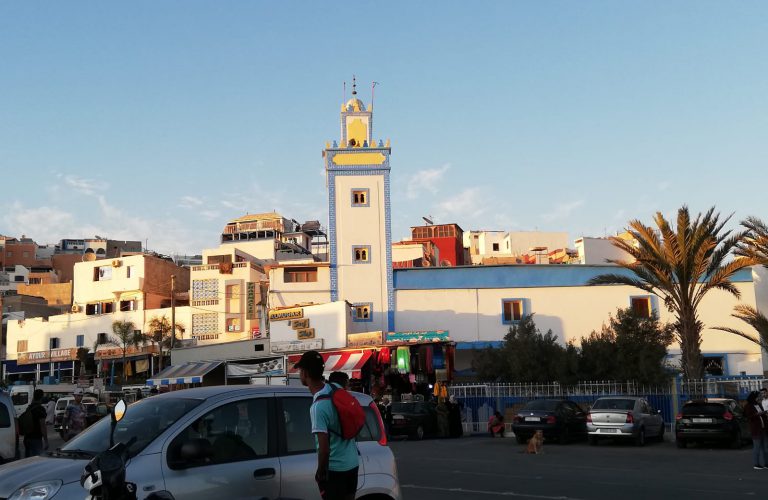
139 362
52 366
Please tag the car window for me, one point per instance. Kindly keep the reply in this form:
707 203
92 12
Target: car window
541 405
5 417
371 431
576 408
20 398
62 404
643 407
614 404
298 425
143 421
233 432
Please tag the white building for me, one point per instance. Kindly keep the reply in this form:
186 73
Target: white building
486 245
597 251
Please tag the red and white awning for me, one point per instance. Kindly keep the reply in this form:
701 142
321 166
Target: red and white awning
349 362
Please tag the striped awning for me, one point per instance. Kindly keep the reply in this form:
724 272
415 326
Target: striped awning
188 373
349 362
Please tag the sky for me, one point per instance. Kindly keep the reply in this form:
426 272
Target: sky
161 121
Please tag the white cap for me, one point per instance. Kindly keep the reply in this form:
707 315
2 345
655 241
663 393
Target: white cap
77 392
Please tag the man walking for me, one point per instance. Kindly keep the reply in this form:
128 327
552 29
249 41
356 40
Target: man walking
36 438
337 461
74 417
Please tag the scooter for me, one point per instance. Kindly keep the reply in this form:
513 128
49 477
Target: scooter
104 475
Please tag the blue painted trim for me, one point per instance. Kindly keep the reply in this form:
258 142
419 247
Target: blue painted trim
370 312
512 276
479 344
525 310
367 197
724 355
388 248
367 248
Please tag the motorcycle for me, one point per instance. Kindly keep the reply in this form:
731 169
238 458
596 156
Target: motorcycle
104 475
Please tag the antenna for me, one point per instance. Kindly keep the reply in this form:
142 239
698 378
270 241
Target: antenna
428 220
373 86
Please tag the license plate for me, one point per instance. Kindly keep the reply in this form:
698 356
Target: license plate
609 431
532 419
702 420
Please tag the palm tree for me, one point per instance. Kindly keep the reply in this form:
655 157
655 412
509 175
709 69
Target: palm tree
753 318
681 265
755 245
161 332
126 335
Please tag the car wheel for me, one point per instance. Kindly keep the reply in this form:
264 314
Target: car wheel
593 440
640 439
737 441
418 434
681 443
520 439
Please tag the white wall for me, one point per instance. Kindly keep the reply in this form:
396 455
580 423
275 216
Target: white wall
571 313
86 290
287 294
331 322
595 251
522 241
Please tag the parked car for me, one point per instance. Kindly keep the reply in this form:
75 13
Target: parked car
212 442
624 417
414 419
714 419
559 419
9 438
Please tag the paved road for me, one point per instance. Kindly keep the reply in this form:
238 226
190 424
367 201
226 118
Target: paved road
481 467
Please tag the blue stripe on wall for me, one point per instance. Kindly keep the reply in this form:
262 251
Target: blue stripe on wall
515 276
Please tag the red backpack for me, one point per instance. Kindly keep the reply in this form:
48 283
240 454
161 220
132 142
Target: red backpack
351 414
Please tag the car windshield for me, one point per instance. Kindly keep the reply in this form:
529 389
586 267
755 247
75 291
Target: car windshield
62 404
144 421
614 404
20 398
709 409
541 405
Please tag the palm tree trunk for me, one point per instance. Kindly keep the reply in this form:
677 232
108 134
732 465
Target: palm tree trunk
123 377
689 331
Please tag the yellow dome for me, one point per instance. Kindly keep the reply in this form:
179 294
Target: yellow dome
355 104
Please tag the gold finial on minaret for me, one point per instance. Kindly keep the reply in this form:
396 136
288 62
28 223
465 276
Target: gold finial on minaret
354 90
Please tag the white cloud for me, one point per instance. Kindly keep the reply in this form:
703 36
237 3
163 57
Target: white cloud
190 202
466 204
210 215
425 180
86 186
562 211
663 185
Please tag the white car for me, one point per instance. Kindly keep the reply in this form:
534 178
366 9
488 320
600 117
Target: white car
212 442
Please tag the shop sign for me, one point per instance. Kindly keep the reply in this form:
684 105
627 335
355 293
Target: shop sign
300 324
364 339
431 336
251 301
286 314
130 351
52 356
297 345
255 332
305 333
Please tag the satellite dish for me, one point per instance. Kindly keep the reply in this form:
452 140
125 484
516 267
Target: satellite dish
89 257
428 220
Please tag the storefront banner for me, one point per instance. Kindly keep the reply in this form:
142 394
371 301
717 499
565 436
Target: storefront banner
286 314
364 339
271 367
305 334
432 336
251 301
130 351
297 345
53 355
300 324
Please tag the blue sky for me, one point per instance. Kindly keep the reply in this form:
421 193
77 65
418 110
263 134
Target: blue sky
163 120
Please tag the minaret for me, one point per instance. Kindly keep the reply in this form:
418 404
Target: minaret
357 170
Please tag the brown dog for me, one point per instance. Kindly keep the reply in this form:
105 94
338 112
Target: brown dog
536 443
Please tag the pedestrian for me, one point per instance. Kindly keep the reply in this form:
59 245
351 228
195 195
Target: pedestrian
764 395
337 458
50 410
496 424
153 391
339 378
443 425
454 417
139 395
758 426
74 417
35 433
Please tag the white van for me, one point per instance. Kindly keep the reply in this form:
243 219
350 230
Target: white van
9 440
22 395
61 408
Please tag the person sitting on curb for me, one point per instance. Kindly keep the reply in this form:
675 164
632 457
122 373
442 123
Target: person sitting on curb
496 424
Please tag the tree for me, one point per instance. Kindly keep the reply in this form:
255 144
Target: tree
681 265
630 348
526 356
162 333
126 335
753 318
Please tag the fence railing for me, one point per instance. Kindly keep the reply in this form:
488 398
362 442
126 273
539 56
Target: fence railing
479 401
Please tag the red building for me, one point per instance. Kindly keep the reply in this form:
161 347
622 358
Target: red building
448 238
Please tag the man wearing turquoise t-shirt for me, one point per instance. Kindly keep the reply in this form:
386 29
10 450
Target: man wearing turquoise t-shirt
337 459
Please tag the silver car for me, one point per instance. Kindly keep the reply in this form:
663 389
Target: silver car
211 442
624 417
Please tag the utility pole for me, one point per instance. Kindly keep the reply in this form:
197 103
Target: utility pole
173 311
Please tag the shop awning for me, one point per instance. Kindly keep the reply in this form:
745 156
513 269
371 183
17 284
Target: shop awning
349 362
188 373
480 344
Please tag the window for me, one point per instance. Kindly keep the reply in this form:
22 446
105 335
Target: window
641 306
360 198
25 254
495 247
512 310
101 338
233 325
54 342
21 346
102 273
298 425
233 432
99 308
9 254
300 275
128 305
219 259
361 254
128 271
18 278
714 365
362 312
35 281
80 341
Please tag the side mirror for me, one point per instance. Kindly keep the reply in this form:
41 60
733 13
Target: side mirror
196 450
118 412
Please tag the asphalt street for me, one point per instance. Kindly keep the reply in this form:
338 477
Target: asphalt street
483 467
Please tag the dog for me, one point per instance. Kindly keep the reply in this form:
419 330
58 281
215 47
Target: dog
536 443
